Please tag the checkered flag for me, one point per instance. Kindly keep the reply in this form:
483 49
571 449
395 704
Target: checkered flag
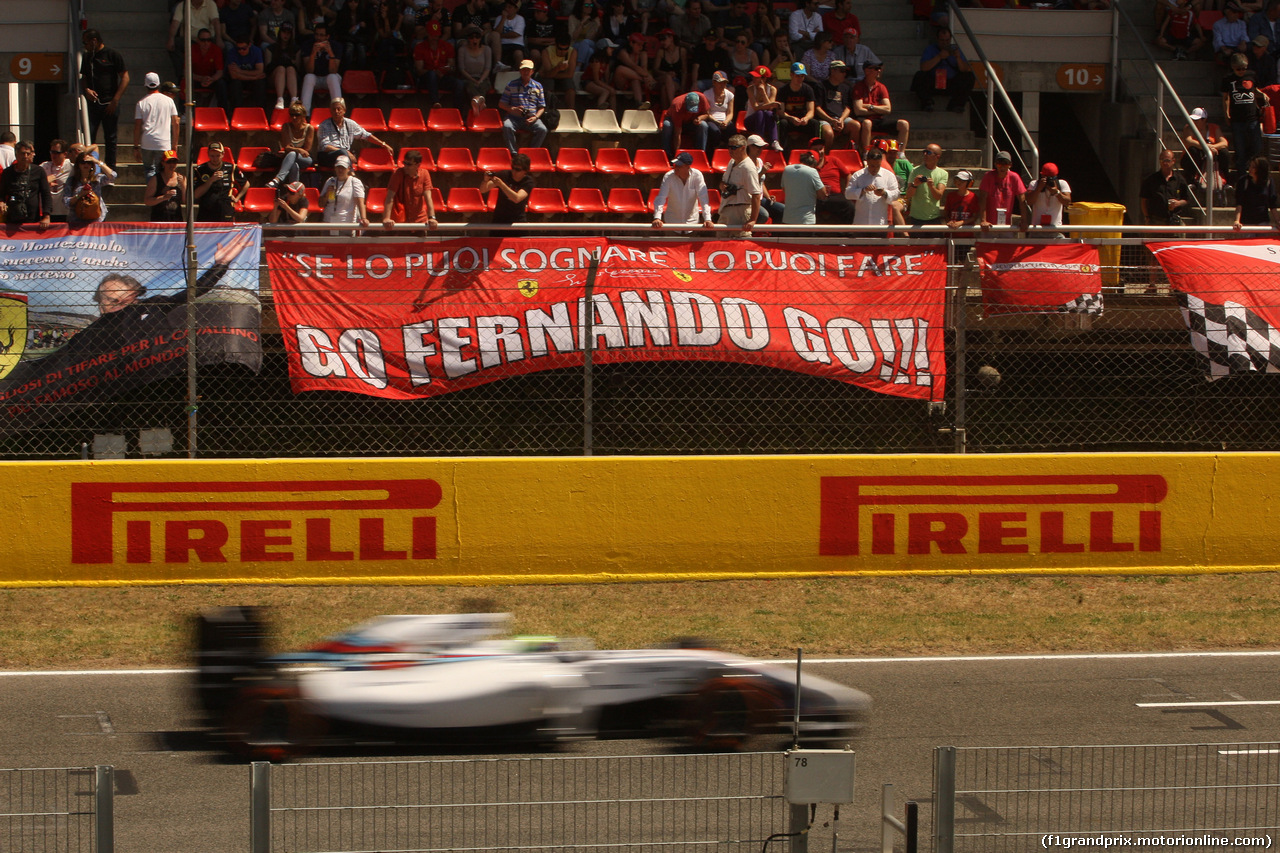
1233 338
1085 303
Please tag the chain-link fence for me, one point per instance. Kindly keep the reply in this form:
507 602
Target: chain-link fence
1125 379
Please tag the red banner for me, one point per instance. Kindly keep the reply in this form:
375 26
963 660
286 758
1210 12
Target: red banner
1018 279
407 321
1230 297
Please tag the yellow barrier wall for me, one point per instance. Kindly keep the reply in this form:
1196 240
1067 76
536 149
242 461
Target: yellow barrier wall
585 519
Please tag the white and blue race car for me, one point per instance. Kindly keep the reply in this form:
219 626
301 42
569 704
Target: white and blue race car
450 679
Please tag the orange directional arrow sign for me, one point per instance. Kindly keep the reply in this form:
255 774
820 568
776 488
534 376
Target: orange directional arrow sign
1078 77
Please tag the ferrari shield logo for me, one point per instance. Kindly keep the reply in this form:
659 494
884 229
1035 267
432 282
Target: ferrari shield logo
13 330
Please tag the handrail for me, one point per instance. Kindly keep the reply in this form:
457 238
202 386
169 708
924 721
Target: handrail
1164 84
835 234
993 86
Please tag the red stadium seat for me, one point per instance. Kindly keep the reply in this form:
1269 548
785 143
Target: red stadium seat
403 84
713 198
373 159
493 159
359 83
260 199
780 196
848 158
485 120
249 119
370 118
467 200
210 119
428 159
700 161
627 201
539 160
248 154
313 201
652 161
773 158
406 120
375 201
279 118
437 201
455 160
720 160
546 200
741 122
614 161
202 156
587 200
445 120
574 160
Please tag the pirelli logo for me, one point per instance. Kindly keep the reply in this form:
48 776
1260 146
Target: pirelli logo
1045 514
272 521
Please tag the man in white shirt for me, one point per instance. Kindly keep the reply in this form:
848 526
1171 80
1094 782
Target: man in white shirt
682 198
720 125
740 188
7 141
804 25
873 190
155 125
1047 196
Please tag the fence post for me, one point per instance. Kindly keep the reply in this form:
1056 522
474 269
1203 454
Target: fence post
588 347
888 823
260 808
959 321
104 819
799 828
944 799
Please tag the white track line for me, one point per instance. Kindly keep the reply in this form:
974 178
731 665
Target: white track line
937 659
1222 704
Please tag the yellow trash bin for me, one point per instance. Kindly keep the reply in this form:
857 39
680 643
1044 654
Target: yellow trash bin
1101 213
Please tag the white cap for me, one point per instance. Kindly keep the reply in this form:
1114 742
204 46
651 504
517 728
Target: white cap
757 141
1197 114
152 80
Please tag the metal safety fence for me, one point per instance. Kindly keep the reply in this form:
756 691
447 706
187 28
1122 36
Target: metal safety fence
639 804
57 810
1128 378
1202 796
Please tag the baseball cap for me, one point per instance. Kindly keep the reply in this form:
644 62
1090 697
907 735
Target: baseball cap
528 63
1197 114
837 65
867 65
757 140
667 32
1050 169
344 160
684 158
692 101
852 31
964 175
719 77
152 80
433 28
541 7
217 146
603 43
762 71
798 68
296 187
1261 41
874 153
1003 157
171 155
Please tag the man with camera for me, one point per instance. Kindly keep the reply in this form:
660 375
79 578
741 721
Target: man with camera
24 190
926 186
740 188
1047 196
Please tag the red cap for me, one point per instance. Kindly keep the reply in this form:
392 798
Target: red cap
762 71
1049 169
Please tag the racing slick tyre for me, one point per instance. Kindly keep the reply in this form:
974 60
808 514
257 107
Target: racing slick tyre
724 713
271 722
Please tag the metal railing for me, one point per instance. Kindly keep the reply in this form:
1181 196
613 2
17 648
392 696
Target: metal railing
52 810
1023 798
727 802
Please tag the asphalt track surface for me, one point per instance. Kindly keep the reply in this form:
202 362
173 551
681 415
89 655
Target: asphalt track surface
175 794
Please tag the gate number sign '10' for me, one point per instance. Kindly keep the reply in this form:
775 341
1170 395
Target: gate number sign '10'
1082 78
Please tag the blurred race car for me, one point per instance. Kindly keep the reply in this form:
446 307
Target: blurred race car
450 679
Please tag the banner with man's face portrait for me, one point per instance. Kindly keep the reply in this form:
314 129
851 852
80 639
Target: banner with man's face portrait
87 314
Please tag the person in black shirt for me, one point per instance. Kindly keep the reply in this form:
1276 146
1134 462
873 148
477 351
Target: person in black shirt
837 105
219 185
514 186
798 101
1256 196
1242 103
1165 195
708 58
103 79
24 190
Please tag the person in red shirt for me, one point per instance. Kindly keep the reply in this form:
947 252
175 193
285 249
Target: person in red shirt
433 61
839 19
691 110
872 109
207 67
409 194
835 209
1180 31
1001 189
961 207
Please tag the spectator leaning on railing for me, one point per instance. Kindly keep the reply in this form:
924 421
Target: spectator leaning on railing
682 198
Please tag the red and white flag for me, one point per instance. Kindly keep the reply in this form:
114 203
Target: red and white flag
1229 292
1022 279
